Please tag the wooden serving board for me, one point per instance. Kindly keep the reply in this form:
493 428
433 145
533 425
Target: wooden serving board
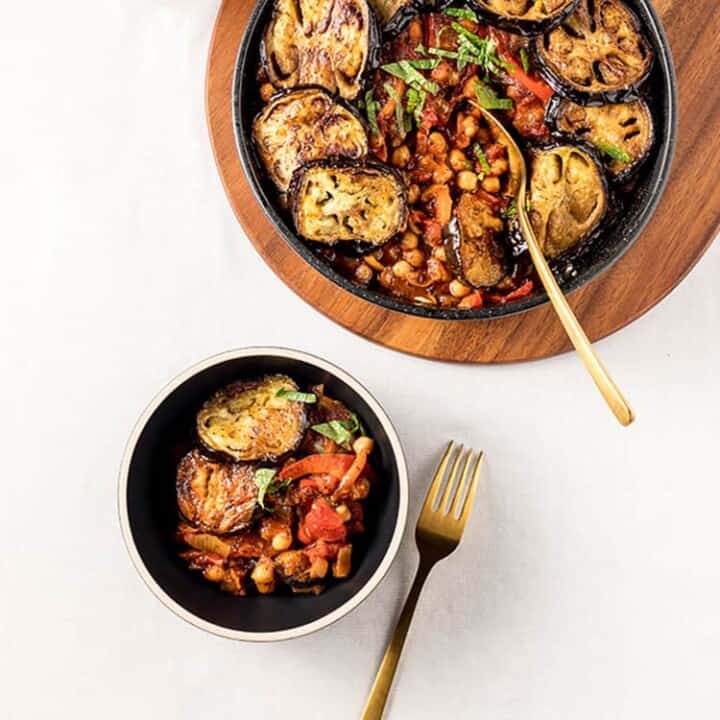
682 228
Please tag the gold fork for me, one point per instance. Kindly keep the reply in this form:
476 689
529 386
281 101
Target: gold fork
439 529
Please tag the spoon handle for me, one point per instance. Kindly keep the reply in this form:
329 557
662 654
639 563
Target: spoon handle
609 390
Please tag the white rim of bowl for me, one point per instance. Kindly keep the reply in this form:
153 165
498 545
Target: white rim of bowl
364 591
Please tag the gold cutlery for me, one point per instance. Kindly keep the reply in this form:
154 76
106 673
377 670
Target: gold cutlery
609 390
438 532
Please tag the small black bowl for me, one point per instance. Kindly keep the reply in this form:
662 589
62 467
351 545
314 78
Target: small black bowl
599 255
148 508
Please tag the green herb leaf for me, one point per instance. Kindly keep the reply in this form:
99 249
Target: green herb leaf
266 483
489 99
420 49
405 70
482 157
440 52
399 110
341 431
464 13
371 110
510 211
480 51
295 396
525 60
613 152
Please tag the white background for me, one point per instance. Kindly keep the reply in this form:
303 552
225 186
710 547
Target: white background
588 585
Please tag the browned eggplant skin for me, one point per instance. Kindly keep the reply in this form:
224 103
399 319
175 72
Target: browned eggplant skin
271 427
216 496
394 15
347 166
323 126
603 92
559 106
313 65
591 154
527 27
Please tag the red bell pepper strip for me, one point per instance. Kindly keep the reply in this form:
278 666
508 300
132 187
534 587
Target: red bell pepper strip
335 464
352 474
537 87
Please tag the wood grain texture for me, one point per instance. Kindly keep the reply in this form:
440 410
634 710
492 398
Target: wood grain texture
682 228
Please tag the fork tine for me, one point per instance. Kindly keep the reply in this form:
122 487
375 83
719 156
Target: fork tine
467 505
452 475
462 483
438 478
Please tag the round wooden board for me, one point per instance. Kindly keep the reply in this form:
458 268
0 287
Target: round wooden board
681 230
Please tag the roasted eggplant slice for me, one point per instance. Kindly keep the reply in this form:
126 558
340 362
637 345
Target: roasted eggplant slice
329 43
248 421
340 201
396 14
599 54
215 496
525 17
470 245
568 197
299 126
622 132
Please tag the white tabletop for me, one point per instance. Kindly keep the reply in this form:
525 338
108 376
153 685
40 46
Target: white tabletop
588 585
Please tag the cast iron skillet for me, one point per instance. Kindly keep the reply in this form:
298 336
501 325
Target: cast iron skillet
618 236
148 508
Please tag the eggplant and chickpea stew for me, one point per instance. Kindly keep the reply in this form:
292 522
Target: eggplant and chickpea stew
273 494
380 154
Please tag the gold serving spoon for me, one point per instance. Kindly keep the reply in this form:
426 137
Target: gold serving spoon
518 172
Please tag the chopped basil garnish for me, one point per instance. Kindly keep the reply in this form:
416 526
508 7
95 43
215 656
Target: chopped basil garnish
613 152
524 60
439 52
267 482
415 104
406 71
480 51
420 49
510 211
341 431
464 13
371 110
399 110
295 396
482 158
489 99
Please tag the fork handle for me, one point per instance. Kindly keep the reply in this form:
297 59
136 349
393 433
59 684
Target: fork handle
380 690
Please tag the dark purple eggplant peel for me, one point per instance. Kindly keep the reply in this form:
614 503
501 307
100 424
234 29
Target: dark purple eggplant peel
568 196
330 43
623 133
524 17
394 15
598 55
342 201
302 125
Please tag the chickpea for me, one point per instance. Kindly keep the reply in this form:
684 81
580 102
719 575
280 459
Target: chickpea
409 240
442 174
415 257
491 184
361 488
401 269
386 278
439 253
413 193
363 273
281 541
499 166
459 289
458 161
467 180
263 572
469 126
401 156
344 512
363 444
267 90
437 144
